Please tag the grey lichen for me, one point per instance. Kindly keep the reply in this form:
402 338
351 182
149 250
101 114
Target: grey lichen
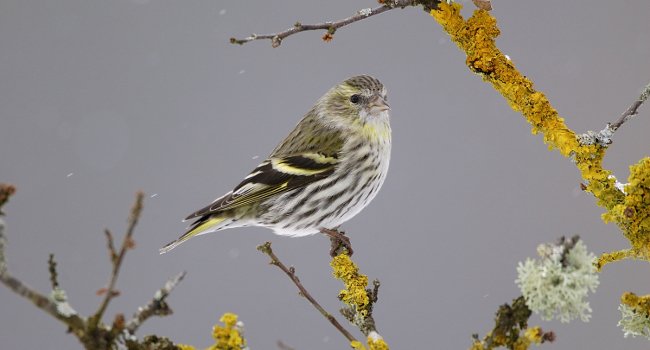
602 138
557 285
60 299
634 323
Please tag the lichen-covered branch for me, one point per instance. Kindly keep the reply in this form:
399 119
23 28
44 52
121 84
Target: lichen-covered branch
476 37
359 300
331 27
55 308
229 336
291 273
635 318
92 332
511 329
156 307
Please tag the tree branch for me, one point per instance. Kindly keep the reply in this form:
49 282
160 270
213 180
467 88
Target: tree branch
632 110
127 244
55 307
291 272
91 332
157 306
331 27
604 137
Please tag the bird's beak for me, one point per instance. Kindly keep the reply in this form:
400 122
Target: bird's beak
378 104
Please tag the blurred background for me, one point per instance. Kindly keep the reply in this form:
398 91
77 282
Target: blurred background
100 99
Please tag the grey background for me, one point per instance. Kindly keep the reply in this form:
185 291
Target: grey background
102 98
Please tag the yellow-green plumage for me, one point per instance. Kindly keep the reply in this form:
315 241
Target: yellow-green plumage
322 174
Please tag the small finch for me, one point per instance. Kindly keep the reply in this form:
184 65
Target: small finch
323 174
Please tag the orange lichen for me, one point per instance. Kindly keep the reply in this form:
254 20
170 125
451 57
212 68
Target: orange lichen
639 304
354 294
631 211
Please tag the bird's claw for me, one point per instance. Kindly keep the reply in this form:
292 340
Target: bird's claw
339 242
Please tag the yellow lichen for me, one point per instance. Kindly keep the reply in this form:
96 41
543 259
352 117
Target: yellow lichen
377 344
185 347
354 294
638 304
634 213
534 335
477 345
357 345
523 341
476 37
228 336
631 212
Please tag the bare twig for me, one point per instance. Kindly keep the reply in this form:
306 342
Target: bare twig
331 27
127 243
604 137
291 272
111 245
483 4
510 323
156 307
54 276
6 191
632 110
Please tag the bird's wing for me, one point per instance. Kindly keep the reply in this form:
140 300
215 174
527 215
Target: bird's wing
273 176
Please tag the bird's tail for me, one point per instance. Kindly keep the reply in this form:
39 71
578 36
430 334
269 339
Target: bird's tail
199 227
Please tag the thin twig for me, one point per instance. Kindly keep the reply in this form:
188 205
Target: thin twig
127 243
156 307
54 276
632 110
111 245
331 27
483 4
6 191
291 272
603 137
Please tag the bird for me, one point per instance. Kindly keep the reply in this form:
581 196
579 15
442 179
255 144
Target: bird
330 167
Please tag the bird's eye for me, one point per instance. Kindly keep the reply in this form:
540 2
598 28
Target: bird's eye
355 99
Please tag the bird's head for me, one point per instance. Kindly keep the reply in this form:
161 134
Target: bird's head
355 102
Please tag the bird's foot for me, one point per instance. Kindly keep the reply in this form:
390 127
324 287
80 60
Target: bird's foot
339 242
